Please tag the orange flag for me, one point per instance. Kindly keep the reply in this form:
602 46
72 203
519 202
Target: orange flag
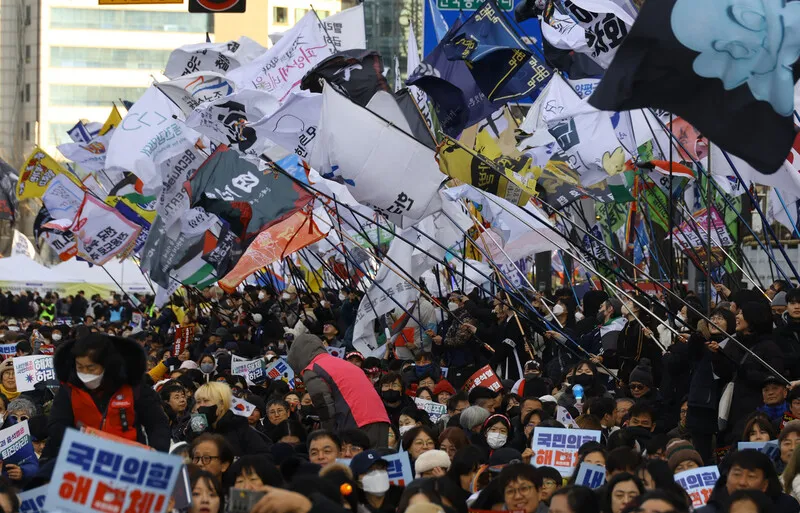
281 239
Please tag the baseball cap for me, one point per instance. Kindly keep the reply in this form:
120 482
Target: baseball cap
363 461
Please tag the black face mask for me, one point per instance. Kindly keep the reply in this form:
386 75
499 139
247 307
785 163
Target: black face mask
584 380
513 412
391 396
307 410
210 412
601 317
718 337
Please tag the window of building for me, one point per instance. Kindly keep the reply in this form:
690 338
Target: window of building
117 58
27 130
91 96
323 14
299 13
280 15
27 15
120 19
27 93
57 134
28 54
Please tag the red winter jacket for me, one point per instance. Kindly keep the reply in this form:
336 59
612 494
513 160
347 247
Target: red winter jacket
342 394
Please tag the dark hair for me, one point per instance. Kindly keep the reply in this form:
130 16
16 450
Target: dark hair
416 414
762 421
452 403
642 408
279 401
323 433
355 437
388 379
170 388
760 499
623 459
9 491
621 438
622 477
197 474
583 451
662 476
424 389
758 316
25 347
580 499
289 427
224 447
514 471
497 419
750 459
678 503
793 295
600 406
409 437
456 436
466 460
99 348
425 486
730 319
259 465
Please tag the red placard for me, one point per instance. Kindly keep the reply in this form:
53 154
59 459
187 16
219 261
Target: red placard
183 337
483 377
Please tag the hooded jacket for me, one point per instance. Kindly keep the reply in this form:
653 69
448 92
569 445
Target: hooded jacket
150 422
342 394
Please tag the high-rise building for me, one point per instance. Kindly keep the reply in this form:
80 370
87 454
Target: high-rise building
65 60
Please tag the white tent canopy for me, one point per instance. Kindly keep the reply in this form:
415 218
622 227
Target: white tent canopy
19 273
125 273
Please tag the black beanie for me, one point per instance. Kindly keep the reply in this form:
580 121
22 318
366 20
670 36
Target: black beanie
642 373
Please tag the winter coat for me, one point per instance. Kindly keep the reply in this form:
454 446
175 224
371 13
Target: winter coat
151 422
243 438
719 501
787 337
341 393
632 346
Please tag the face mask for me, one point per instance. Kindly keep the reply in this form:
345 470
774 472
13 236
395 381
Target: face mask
306 410
206 368
257 317
682 317
601 317
91 381
558 309
376 482
285 296
210 412
513 412
422 369
452 306
579 316
405 429
262 295
496 440
584 380
56 337
391 396
342 297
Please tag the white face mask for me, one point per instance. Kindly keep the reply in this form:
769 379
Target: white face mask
342 297
405 429
91 381
257 317
558 309
285 296
56 337
578 316
376 482
496 440
262 295
452 306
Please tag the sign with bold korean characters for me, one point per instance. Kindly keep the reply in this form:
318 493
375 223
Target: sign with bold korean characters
698 483
558 447
30 370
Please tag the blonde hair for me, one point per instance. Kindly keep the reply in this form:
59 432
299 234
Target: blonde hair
218 393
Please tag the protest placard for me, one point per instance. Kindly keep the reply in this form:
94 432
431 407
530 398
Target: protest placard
183 337
483 377
434 410
558 447
279 369
254 371
769 448
698 483
8 350
16 446
399 468
30 370
114 438
93 474
48 349
32 501
591 476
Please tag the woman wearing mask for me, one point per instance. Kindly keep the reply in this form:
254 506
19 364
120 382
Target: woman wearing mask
101 387
496 432
376 494
559 357
213 400
585 375
393 393
208 366
206 491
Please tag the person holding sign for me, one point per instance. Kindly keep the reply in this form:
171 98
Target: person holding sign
101 387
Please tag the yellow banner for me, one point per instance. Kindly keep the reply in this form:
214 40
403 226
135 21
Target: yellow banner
38 172
113 121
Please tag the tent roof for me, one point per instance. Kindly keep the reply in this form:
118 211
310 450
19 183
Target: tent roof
125 273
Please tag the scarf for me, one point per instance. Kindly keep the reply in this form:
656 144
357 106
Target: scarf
774 412
8 393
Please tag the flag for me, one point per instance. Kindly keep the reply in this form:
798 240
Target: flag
604 30
112 122
271 245
190 91
383 167
784 208
439 24
216 57
419 121
345 30
8 196
358 74
63 199
712 65
84 132
495 55
147 136
38 171
280 70
173 198
417 94
626 10
90 156
21 245
133 215
62 243
294 125
241 195
101 232
228 120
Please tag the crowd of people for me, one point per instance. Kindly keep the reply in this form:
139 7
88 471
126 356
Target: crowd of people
668 388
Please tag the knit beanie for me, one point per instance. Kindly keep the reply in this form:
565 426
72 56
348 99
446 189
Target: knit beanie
473 416
642 373
443 386
780 299
679 450
429 460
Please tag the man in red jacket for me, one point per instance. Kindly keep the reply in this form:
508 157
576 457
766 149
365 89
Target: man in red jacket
341 393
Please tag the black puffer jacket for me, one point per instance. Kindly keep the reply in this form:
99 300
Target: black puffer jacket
243 438
125 365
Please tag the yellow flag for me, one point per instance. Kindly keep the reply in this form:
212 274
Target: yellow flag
148 215
113 121
36 174
468 167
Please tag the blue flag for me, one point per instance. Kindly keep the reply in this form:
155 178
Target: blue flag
439 24
456 97
502 65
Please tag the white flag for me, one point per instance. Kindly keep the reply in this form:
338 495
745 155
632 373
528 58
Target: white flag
604 30
21 245
419 96
345 29
241 407
228 120
383 167
90 156
174 199
280 70
622 9
217 57
102 232
294 125
149 134
190 91
63 198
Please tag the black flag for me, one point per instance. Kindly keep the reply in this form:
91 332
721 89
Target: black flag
357 74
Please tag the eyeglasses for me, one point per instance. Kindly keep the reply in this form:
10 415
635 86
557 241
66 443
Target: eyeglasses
684 411
275 413
16 419
424 443
205 460
524 491
636 387
549 483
